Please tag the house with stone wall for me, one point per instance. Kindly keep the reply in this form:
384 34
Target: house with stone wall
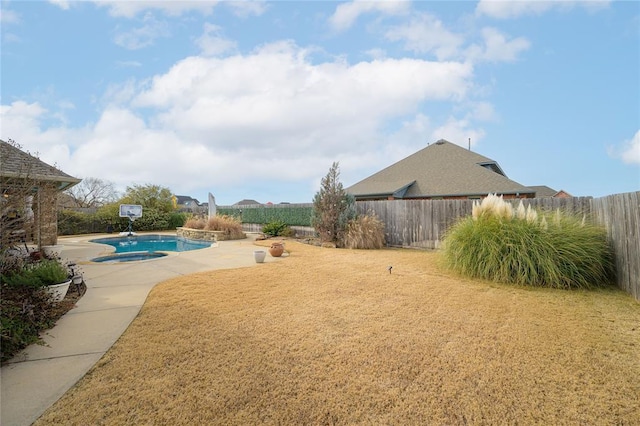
29 190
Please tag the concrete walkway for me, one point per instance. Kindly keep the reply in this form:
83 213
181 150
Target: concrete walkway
40 375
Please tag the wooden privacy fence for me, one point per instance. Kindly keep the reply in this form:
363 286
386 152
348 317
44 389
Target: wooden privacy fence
620 214
422 223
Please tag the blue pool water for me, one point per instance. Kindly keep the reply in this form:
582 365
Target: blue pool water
152 243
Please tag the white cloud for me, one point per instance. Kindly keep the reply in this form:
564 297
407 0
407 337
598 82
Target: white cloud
19 114
10 38
130 8
271 115
347 13
22 122
276 93
245 9
515 8
629 151
128 64
143 36
62 4
8 16
483 111
425 33
65 104
376 53
458 131
211 43
120 93
496 47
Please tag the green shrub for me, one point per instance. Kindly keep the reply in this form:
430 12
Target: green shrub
25 311
177 219
50 271
73 223
37 274
26 308
277 228
152 220
364 232
525 247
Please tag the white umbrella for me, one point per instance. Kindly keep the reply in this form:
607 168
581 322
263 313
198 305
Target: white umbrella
212 206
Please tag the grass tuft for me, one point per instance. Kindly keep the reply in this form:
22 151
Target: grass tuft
231 226
364 232
195 223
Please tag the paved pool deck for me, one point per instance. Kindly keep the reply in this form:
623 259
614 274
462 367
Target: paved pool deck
37 377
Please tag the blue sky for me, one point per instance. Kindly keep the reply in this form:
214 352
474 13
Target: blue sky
258 99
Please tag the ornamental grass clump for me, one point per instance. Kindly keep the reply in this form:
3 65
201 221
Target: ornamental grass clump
526 247
195 223
364 232
231 226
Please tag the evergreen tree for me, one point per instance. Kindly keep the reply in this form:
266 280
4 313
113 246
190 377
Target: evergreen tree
332 208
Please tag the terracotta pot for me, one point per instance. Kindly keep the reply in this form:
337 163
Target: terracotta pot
276 249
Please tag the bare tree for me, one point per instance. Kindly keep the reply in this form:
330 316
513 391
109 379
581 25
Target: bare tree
93 192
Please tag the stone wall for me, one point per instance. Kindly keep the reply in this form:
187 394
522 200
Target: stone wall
213 236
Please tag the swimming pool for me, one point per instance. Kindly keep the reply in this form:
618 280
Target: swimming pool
152 243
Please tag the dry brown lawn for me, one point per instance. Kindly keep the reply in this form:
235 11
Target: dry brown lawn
329 336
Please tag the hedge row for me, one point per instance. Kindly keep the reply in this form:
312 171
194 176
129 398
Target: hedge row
292 215
73 223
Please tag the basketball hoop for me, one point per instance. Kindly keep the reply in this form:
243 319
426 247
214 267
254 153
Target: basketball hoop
133 212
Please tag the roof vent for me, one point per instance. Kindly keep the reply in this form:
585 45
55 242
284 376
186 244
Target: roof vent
440 142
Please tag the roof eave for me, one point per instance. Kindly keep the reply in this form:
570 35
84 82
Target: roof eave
477 194
66 182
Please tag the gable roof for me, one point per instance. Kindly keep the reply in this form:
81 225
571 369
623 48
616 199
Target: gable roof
545 191
442 169
184 199
246 202
18 164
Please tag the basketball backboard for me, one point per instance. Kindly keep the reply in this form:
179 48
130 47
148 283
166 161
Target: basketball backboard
132 211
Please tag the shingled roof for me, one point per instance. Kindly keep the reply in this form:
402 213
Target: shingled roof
15 162
442 169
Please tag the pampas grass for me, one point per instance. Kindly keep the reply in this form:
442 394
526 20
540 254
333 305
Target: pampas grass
195 223
364 232
231 226
227 224
525 247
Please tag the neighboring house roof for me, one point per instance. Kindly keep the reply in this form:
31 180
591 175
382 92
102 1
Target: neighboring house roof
543 191
442 169
19 164
246 202
186 200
